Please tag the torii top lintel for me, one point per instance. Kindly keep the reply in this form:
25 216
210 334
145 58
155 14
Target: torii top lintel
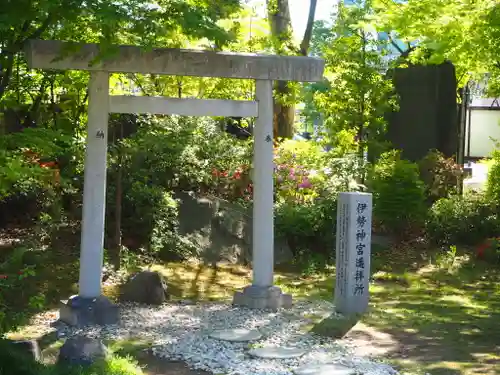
59 55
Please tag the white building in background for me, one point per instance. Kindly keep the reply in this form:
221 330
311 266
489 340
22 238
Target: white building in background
483 122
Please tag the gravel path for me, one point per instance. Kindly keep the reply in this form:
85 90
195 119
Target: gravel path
181 332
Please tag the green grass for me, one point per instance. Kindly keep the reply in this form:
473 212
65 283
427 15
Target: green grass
440 320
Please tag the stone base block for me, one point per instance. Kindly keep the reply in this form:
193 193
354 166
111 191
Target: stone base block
79 311
82 351
257 297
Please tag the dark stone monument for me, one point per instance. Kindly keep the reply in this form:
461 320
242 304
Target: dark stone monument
428 112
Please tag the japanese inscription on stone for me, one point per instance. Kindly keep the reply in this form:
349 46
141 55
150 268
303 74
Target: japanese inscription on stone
342 233
353 252
360 249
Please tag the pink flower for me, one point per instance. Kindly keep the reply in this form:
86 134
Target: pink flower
305 184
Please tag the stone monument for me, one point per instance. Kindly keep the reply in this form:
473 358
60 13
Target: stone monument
353 248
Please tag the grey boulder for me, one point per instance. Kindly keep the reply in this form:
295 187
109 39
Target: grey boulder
147 287
82 351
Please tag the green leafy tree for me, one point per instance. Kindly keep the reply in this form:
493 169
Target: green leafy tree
251 35
130 21
53 104
463 32
359 94
322 35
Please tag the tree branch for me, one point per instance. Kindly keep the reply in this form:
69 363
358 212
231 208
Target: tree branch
42 28
37 33
16 46
394 44
6 72
136 80
306 40
32 113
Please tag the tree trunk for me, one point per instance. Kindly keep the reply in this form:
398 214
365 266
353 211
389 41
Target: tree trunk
281 29
117 243
284 113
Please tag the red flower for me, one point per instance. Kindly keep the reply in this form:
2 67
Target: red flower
48 164
480 250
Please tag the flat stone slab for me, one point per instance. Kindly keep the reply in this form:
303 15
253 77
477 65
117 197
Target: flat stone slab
277 352
329 369
236 335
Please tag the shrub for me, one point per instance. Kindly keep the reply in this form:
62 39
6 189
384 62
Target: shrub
14 273
307 200
181 153
28 160
398 193
489 250
306 154
493 180
441 175
149 218
234 184
166 155
343 173
309 226
467 219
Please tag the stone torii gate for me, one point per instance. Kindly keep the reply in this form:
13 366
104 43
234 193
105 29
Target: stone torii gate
90 306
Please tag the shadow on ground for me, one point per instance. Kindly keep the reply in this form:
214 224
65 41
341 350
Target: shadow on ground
425 319
435 320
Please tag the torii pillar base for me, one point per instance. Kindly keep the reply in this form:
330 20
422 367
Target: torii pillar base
262 294
264 298
80 312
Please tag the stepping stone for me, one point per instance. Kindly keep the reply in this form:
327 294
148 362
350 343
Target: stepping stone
236 335
277 352
329 369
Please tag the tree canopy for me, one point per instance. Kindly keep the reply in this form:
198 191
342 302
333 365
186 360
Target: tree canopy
466 32
161 23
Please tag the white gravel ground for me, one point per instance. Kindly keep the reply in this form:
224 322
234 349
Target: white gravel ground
181 332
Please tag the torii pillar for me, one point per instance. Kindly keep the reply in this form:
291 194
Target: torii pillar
89 306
